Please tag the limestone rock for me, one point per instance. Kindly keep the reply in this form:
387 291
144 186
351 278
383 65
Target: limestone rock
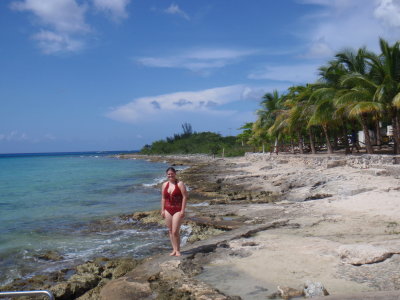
149 217
363 254
87 280
76 286
124 267
50 255
314 289
287 293
122 289
335 163
89 267
93 294
170 270
62 291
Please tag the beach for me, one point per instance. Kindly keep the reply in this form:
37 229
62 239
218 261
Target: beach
268 225
327 222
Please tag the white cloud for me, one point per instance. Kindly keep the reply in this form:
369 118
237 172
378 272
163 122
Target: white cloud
17 136
62 21
174 9
337 4
319 49
198 102
14 135
301 73
117 9
62 15
62 25
52 42
198 59
388 11
357 23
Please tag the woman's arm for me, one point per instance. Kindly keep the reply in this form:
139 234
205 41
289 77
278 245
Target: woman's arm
185 197
162 201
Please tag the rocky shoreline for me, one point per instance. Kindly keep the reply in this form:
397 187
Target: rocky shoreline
86 280
307 226
284 225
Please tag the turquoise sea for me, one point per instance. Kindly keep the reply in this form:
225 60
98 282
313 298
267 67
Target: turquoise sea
71 203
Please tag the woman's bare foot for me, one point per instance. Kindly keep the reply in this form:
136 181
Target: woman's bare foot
177 253
173 253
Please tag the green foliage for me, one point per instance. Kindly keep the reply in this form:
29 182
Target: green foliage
187 129
245 136
356 89
193 143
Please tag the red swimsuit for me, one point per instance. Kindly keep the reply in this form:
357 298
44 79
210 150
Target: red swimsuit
173 201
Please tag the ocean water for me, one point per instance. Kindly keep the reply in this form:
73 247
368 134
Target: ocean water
71 204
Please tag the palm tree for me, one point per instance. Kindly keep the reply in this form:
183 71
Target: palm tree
323 110
356 85
385 71
281 126
360 102
354 62
300 113
358 99
245 136
271 104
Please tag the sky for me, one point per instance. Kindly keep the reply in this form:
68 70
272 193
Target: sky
101 75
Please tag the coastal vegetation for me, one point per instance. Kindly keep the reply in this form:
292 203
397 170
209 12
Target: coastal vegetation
190 142
356 91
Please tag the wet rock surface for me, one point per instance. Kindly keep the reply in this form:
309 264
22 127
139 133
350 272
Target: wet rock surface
49 255
76 283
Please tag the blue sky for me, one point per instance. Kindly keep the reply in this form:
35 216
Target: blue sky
83 75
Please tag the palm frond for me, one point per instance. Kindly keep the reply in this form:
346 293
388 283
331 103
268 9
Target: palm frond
396 101
366 107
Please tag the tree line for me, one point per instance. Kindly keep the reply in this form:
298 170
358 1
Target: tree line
356 90
190 142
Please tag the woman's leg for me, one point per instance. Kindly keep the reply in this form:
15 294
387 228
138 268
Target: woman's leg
176 237
168 221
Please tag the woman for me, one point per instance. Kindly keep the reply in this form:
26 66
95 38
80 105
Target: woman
173 204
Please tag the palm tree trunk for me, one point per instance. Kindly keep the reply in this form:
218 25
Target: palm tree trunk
396 132
312 141
367 138
292 145
276 146
300 139
394 126
335 141
328 142
378 134
345 138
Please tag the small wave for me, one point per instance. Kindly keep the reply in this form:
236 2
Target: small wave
122 221
199 204
155 182
186 231
116 232
9 276
181 168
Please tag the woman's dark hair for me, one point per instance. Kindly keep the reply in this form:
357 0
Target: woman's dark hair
171 169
